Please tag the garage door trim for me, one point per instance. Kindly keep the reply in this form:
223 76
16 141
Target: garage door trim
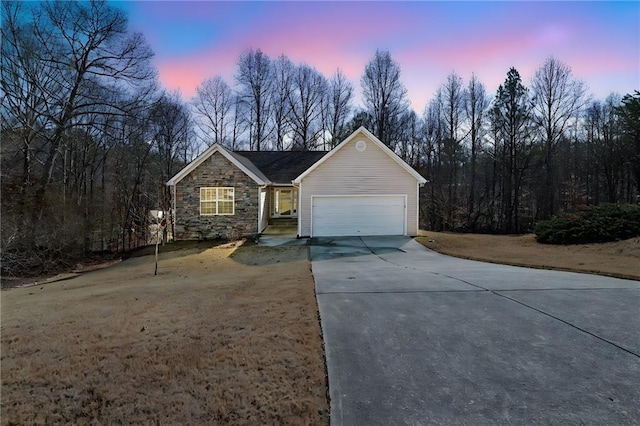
403 196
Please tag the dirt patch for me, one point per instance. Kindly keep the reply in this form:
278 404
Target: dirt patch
223 335
618 259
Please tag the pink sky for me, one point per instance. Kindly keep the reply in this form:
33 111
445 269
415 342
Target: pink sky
197 40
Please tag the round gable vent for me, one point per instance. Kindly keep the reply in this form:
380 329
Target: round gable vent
361 146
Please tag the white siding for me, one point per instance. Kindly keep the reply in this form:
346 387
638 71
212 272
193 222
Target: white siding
350 172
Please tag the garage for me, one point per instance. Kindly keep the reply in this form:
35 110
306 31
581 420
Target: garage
360 187
355 215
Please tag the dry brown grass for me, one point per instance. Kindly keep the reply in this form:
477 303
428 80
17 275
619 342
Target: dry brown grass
219 336
618 259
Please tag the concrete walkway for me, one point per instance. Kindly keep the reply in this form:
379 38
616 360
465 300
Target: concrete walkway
415 337
278 235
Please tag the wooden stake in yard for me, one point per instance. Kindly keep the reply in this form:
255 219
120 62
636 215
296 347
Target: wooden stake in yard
161 225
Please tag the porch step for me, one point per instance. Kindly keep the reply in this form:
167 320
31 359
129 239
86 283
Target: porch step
283 221
280 231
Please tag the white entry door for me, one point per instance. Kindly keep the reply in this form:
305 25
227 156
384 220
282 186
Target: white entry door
335 216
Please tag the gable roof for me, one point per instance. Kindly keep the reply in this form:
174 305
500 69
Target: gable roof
421 180
240 162
281 166
264 167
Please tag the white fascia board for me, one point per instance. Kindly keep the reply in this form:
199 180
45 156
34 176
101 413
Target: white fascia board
421 180
204 156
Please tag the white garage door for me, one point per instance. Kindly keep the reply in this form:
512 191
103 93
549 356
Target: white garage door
358 215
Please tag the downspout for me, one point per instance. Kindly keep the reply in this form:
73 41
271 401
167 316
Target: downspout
293 183
420 185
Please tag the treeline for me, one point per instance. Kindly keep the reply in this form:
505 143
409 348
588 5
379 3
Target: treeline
499 164
494 163
89 137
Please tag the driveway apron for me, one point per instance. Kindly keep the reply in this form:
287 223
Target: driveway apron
414 337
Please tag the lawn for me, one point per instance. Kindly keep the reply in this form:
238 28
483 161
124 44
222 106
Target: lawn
619 259
220 335
226 334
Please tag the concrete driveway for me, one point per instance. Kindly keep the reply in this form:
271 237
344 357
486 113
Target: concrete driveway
414 337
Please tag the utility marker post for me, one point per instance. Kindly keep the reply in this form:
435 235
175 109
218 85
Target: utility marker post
160 226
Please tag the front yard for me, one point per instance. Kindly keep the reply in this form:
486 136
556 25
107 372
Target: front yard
617 259
223 335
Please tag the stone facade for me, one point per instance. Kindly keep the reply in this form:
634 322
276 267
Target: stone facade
216 171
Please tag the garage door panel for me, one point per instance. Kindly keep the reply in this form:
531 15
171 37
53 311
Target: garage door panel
363 215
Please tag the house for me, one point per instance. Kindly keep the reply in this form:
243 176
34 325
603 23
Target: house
359 188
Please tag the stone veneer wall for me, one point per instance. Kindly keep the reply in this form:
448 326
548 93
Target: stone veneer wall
216 171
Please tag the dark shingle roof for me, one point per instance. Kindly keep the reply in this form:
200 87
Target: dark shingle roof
281 166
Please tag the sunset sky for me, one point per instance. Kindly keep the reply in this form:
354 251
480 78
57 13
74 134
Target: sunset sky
194 40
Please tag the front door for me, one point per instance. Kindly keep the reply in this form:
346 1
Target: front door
284 202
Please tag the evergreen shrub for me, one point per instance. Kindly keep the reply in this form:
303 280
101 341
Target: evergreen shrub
597 224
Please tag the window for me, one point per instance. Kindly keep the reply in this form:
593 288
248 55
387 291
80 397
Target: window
216 201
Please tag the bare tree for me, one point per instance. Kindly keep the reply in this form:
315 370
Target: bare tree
170 128
433 134
69 69
283 73
604 138
213 103
629 113
452 109
239 126
26 82
308 88
385 97
557 97
254 77
476 106
451 98
409 142
84 45
134 192
339 98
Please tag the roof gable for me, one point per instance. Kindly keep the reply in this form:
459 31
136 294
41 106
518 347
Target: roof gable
362 131
240 162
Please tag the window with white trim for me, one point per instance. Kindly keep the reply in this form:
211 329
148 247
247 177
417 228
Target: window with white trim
216 201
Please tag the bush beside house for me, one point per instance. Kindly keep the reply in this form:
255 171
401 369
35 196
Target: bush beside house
597 224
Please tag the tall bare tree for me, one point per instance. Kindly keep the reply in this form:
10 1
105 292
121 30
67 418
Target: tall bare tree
283 73
213 103
170 129
557 98
26 82
433 134
308 89
68 70
339 98
409 143
255 81
476 107
629 113
451 99
384 95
